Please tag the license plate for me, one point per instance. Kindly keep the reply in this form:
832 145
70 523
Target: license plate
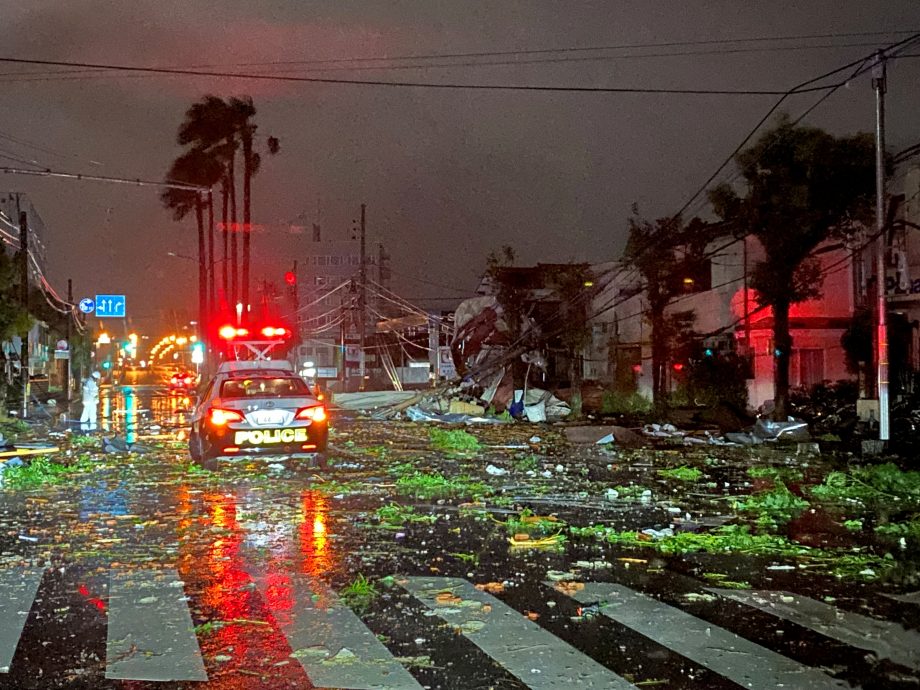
268 417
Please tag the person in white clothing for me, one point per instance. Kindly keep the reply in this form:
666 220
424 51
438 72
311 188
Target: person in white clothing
90 402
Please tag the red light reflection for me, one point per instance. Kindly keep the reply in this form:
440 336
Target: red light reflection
314 540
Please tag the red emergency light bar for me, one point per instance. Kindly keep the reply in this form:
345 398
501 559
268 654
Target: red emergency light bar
230 332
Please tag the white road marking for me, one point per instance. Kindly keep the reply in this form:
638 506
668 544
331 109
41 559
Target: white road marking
888 640
150 634
538 658
335 648
741 661
17 592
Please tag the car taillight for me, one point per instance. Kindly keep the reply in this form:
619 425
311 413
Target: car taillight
316 413
219 417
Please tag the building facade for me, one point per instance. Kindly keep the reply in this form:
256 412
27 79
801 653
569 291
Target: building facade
727 319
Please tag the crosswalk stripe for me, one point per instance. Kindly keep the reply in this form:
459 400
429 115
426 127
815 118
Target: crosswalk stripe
17 592
150 634
741 661
535 656
335 648
888 640
909 598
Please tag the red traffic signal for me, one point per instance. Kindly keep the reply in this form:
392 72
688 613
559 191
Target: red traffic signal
290 278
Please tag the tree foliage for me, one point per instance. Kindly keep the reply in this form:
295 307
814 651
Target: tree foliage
213 131
664 252
14 320
803 186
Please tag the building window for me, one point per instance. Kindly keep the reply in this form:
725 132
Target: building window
807 367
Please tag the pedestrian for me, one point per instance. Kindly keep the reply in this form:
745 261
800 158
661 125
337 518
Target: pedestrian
90 402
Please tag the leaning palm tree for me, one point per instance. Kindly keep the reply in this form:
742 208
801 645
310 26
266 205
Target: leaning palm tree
210 125
219 128
243 112
196 167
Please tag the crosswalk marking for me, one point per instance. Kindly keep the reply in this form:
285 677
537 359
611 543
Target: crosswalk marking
888 640
909 598
332 644
150 635
741 661
538 658
17 592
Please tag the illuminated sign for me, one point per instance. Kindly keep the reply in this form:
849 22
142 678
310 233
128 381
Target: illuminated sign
259 437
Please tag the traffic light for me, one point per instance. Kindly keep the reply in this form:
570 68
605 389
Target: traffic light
708 352
198 353
290 278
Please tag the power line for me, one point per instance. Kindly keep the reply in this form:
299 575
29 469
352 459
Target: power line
568 49
425 85
271 67
47 172
860 66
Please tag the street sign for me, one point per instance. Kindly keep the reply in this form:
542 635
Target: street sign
110 306
87 306
327 372
62 354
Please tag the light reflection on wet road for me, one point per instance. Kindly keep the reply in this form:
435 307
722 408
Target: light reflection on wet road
262 554
130 410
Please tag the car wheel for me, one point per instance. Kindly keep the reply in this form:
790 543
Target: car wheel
201 451
194 446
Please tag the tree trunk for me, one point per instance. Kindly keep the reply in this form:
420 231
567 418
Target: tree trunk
225 222
575 368
212 260
659 357
782 345
234 242
203 320
247 208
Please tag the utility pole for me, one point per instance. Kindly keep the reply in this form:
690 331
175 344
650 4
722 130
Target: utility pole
295 298
878 83
203 317
68 363
362 300
24 300
212 261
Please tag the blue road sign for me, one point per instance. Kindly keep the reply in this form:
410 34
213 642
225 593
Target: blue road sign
87 306
110 306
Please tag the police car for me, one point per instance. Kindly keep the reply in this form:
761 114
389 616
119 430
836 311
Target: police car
257 407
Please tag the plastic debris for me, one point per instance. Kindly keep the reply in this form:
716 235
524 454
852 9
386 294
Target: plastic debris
496 471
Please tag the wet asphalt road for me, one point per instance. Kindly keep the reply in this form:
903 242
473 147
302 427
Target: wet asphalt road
149 575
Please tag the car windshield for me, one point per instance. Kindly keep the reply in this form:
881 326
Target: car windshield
262 387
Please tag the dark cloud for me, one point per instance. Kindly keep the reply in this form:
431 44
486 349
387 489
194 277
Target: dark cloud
447 175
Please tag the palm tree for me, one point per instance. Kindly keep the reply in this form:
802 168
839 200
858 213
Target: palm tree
243 112
209 125
196 167
218 128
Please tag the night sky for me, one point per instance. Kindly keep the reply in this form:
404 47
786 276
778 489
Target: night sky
448 175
